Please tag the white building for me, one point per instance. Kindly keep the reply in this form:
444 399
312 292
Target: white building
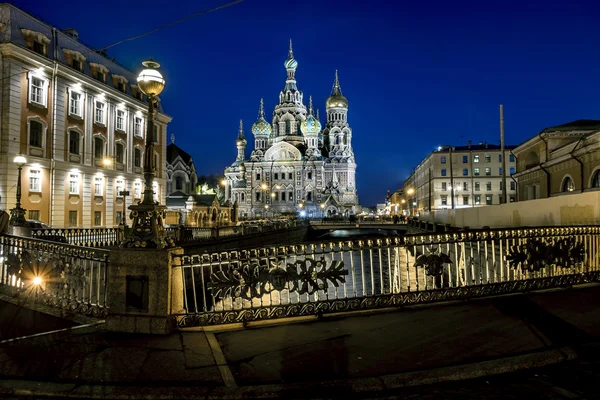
296 166
80 120
458 177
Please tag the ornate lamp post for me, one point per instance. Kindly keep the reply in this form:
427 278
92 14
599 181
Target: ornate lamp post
148 230
17 214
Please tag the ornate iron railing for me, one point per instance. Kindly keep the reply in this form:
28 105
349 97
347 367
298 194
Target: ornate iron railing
87 237
70 277
316 278
184 234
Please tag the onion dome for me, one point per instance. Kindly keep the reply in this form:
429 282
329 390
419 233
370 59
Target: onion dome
241 140
311 125
261 126
290 62
337 99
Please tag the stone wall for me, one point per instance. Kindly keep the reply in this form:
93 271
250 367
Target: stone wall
572 209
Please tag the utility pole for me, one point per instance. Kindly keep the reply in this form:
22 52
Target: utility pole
504 199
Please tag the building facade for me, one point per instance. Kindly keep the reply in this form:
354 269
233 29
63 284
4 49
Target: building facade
461 176
181 171
297 166
79 119
560 160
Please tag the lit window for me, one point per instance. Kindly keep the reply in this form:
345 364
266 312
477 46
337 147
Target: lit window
477 200
121 120
488 158
74 184
137 126
99 112
37 90
465 186
98 186
35 181
444 200
137 190
118 217
488 171
35 133
119 187
488 200
75 107
476 171
568 185
156 191
476 158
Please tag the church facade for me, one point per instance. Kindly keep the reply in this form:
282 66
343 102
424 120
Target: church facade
297 165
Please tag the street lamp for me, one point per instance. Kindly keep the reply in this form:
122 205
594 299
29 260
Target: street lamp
410 192
322 210
148 216
17 214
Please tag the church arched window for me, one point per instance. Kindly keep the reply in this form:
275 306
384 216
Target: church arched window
288 127
178 183
345 140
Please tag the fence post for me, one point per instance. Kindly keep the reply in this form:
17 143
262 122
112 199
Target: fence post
145 290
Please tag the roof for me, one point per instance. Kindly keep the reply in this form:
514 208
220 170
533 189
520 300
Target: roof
475 147
178 199
579 125
204 199
173 151
18 19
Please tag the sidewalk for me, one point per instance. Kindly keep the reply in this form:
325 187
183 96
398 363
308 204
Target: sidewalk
334 357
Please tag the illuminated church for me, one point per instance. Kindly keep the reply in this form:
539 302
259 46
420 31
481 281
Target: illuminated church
297 165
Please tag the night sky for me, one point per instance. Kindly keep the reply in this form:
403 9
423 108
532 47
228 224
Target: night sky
416 74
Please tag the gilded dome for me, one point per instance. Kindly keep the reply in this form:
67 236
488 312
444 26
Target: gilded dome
336 101
261 126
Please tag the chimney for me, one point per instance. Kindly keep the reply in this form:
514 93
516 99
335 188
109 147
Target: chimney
71 32
469 144
486 145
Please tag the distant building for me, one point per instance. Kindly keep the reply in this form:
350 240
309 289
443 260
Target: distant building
560 160
80 120
181 171
296 165
461 176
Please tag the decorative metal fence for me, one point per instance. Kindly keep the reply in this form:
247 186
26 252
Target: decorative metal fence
88 237
70 277
309 279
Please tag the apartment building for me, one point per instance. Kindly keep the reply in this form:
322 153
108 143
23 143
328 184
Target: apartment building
79 119
460 176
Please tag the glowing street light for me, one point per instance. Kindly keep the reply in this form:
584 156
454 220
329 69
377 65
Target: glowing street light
37 281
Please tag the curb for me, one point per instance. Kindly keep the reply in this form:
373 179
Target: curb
335 389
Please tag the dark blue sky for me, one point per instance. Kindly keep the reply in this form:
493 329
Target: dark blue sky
416 74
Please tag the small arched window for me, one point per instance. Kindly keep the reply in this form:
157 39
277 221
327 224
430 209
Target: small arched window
178 183
596 180
568 185
288 127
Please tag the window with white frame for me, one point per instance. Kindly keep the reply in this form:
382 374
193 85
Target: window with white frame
121 120
137 126
73 183
38 90
75 104
98 186
137 190
99 112
35 180
119 187
156 192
